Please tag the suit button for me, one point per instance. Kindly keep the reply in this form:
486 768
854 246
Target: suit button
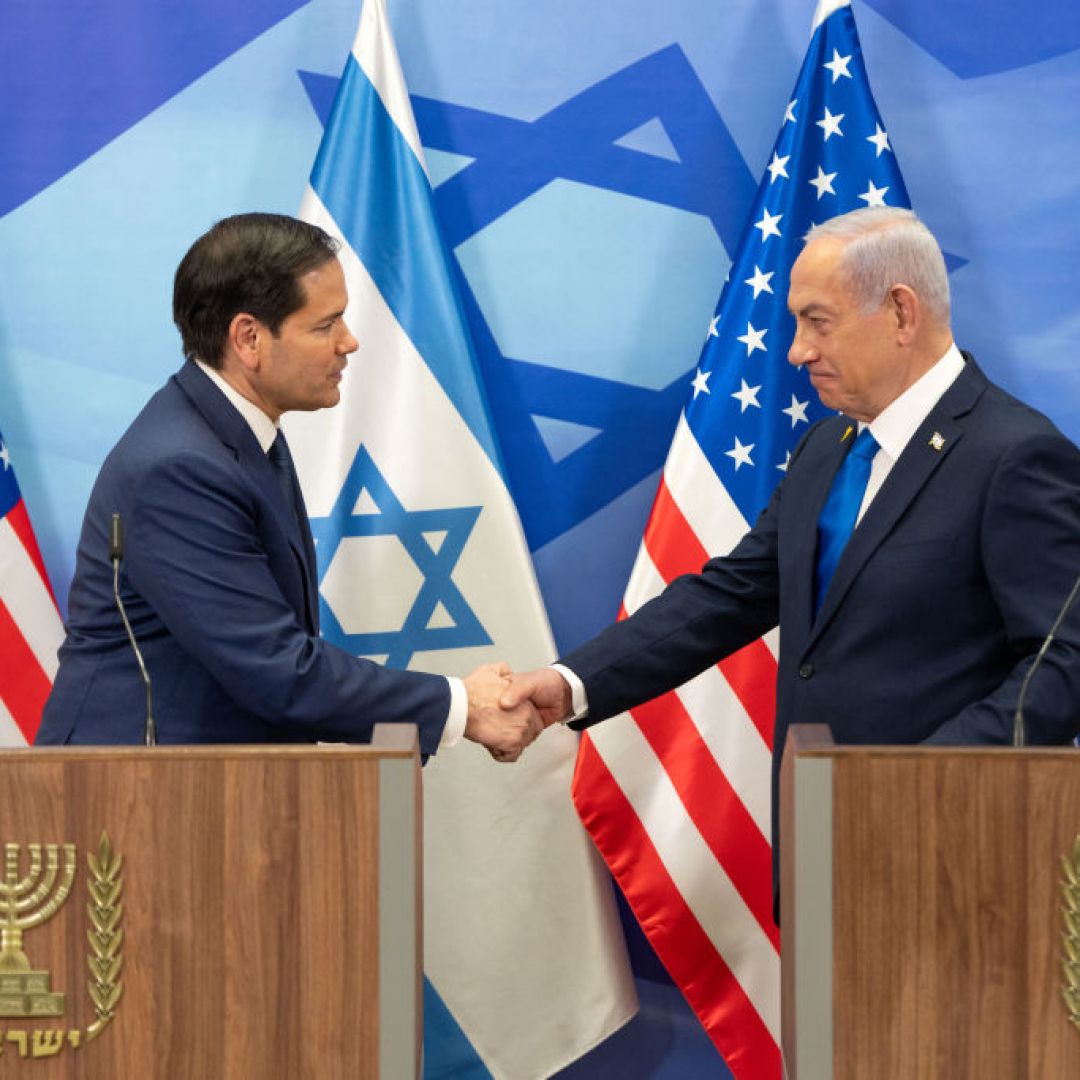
806 671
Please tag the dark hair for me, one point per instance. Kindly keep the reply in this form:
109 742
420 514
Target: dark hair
250 263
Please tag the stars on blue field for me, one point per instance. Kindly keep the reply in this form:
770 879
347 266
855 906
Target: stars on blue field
835 156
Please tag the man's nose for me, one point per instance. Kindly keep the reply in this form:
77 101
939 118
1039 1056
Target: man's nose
800 351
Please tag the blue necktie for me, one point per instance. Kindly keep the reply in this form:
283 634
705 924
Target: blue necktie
837 521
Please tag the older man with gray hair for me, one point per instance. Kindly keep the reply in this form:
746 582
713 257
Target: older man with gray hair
914 555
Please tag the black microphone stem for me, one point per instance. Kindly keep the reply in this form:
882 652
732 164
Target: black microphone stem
1019 734
116 550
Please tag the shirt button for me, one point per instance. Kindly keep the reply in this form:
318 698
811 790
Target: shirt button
806 671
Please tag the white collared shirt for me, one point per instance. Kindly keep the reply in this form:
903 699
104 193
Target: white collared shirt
265 431
894 427
263 428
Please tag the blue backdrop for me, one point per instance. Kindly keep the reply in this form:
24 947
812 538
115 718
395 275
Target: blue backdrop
594 162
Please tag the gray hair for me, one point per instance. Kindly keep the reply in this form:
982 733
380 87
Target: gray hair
886 246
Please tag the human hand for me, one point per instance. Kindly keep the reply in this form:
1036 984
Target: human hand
505 732
548 691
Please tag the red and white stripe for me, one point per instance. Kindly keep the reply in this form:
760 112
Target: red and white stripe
676 793
30 630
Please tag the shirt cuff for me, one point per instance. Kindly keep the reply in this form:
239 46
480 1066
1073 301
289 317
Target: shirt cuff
458 714
579 703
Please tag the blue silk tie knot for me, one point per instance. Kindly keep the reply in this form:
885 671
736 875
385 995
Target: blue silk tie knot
837 521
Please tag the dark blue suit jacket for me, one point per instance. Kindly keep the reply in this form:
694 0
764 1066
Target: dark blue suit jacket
220 585
945 591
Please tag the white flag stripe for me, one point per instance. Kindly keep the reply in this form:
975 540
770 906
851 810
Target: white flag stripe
704 502
378 59
824 9
24 594
717 712
733 740
10 735
697 875
645 582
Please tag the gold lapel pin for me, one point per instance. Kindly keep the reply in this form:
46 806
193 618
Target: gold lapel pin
847 431
937 440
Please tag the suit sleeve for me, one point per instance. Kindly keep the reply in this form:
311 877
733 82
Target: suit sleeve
1031 555
695 622
195 552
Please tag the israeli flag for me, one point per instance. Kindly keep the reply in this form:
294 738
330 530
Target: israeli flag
423 563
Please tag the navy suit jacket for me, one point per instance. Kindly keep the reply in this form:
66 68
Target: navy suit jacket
945 591
221 588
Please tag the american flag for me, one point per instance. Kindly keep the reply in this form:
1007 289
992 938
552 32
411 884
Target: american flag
677 794
30 627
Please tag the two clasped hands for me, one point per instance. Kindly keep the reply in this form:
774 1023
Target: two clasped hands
508 711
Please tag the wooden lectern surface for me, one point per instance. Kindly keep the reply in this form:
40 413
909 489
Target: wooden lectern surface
250 920
947 912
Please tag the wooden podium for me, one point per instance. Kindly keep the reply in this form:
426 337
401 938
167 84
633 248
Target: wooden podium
252 913
922 900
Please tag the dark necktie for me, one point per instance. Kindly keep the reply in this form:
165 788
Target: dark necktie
837 521
285 472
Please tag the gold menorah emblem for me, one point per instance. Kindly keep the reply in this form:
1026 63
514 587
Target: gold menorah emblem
26 902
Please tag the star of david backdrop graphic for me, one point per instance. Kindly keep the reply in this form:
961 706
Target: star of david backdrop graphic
593 167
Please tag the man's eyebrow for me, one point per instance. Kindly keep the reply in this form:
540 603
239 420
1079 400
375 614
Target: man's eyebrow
809 309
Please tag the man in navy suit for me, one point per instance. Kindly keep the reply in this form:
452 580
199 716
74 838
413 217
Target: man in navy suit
218 573
965 542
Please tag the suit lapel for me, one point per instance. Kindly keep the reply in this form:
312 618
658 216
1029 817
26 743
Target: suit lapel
237 436
929 447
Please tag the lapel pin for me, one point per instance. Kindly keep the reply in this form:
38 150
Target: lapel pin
937 441
847 431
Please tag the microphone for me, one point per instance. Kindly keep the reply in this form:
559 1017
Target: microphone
1019 732
116 553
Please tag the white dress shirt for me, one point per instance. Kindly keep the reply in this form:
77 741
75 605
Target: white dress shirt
896 424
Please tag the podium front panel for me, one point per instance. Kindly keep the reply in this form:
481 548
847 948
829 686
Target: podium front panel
922 918
236 913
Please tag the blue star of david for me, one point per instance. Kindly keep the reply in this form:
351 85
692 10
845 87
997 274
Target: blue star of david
111 60
435 563
514 159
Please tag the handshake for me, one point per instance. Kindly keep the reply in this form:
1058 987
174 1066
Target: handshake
508 711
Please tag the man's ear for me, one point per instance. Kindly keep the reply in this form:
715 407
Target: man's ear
244 339
906 311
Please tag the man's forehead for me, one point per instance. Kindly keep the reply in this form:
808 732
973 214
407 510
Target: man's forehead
324 286
817 267
820 255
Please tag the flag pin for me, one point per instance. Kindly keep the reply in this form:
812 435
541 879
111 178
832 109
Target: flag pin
937 440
